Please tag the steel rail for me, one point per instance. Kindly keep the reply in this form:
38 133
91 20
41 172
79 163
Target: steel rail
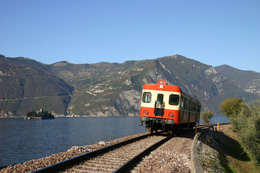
72 161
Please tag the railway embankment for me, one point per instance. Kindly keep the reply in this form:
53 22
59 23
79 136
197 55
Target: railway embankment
219 151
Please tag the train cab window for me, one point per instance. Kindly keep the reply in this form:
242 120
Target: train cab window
174 99
147 97
160 99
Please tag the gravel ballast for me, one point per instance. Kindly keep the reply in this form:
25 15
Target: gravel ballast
173 156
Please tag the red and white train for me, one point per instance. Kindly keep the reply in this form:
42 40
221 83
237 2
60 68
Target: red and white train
166 106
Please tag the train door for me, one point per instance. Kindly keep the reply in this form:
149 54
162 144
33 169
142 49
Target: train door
185 110
189 113
159 105
181 109
196 111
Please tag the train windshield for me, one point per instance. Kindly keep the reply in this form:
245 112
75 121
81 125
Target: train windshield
147 97
174 99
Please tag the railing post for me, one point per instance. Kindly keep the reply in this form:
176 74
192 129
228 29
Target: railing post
218 127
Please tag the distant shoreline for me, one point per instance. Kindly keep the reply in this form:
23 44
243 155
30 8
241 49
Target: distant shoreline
71 117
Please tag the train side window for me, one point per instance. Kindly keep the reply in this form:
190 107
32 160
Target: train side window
198 109
193 106
187 104
174 99
147 97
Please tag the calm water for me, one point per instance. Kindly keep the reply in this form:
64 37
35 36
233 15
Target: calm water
22 140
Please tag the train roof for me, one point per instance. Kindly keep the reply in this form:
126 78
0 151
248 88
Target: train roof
162 86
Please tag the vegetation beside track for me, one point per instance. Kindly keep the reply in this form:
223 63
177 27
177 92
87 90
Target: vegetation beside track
222 152
245 119
233 153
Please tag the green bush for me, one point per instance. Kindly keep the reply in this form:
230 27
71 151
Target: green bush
238 119
206 116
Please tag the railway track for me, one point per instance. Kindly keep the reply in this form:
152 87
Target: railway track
119 157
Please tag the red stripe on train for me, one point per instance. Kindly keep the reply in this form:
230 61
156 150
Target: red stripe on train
168 114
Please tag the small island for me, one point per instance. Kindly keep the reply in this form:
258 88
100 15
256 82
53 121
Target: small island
39 115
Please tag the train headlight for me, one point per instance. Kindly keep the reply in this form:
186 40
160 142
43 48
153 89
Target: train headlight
171 114
146 112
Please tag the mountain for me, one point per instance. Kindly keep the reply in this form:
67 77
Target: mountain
27 84
107 89
249 81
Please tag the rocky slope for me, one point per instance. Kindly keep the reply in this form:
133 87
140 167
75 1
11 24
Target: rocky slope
249 81
106 89
26 85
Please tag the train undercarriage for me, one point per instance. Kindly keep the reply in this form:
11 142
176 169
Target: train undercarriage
155 124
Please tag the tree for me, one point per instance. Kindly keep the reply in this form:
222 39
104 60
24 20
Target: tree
206 116
231 106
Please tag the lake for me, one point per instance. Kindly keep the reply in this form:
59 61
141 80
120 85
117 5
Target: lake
22 140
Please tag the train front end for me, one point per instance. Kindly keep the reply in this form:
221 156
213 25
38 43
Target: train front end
160 106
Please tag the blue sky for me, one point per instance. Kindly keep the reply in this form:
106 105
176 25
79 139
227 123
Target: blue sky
214 32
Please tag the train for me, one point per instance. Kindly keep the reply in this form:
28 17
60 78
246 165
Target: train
164 107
